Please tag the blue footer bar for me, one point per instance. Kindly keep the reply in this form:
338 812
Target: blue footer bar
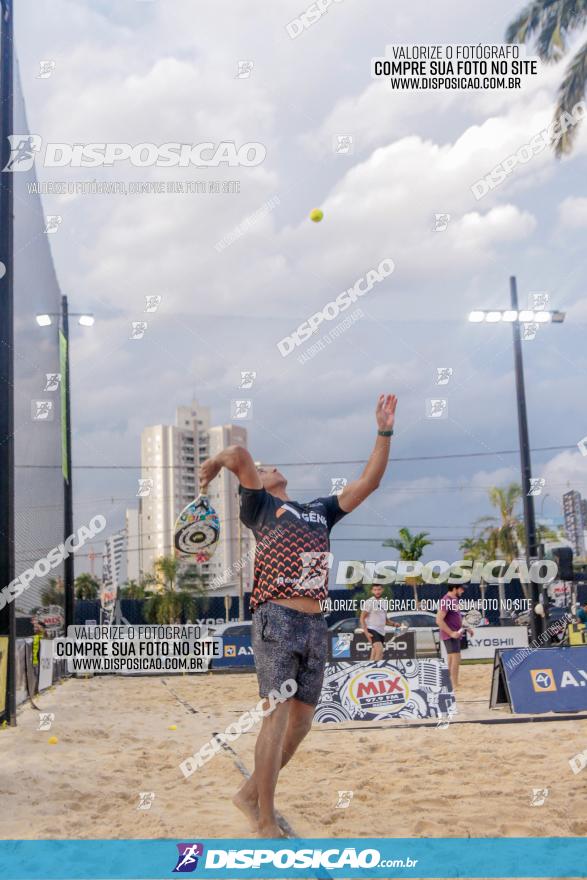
290 858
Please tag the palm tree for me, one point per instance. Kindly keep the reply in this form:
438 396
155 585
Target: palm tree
182 588
166 568
86 586
550 24
475 548
171 607
132 590
54 593
503 535
410 549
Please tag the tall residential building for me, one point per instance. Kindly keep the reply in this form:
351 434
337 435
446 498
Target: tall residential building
236 541
574 509
113 562
170 457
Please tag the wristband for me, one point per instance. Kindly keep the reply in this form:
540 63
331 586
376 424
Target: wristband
385 433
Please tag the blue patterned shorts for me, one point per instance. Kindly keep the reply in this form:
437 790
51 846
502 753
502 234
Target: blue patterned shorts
289 644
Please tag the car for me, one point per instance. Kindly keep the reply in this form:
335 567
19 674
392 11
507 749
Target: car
423 623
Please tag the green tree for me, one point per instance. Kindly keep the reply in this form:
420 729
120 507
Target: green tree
86 586
166 569
54 593
503 534
475 548
551 26
132 590
171 607
410 548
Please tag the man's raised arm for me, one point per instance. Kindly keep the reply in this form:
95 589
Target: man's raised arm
238 460
356 492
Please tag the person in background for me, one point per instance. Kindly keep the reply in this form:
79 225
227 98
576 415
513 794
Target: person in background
450 623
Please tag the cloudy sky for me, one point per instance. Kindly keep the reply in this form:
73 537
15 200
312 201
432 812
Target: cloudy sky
163 71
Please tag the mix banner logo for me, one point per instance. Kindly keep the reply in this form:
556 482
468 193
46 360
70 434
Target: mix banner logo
385 690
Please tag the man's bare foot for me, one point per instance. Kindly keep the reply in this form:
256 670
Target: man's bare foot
270 829
249 807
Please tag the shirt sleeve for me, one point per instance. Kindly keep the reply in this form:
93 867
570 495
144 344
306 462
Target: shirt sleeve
254 506
334 512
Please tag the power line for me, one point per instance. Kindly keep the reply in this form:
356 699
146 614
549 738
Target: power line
453 455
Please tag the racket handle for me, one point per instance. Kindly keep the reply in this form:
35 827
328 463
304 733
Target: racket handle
204 489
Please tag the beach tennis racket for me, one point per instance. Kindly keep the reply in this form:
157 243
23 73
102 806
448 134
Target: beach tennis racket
197 529
472 618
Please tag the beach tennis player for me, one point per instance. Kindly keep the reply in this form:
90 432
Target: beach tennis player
290 580
450 623
374 620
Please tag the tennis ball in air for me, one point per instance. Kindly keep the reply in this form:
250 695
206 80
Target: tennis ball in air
172 727
52 740
316 215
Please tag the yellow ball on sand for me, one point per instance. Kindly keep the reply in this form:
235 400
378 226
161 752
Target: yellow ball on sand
172 727
52 740
316 215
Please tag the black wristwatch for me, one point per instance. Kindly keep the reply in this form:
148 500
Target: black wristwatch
385 433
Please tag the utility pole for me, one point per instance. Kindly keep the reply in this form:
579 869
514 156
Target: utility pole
536 622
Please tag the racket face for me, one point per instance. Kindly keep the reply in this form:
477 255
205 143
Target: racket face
197 530
473 617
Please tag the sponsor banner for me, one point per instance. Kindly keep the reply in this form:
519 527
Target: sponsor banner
552 857
545 679
236 651
385 690
485 640
354 646
45 665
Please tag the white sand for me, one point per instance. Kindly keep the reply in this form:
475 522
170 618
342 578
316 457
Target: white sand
114 742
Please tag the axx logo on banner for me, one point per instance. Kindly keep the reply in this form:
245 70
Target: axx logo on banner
546 679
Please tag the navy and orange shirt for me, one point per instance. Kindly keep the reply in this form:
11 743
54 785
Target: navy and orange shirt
293 544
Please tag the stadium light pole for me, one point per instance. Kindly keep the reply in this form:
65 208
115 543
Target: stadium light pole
515 317
86 320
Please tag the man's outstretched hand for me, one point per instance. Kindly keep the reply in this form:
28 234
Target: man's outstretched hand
385 411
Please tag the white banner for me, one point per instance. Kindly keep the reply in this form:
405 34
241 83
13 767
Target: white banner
45 665
486 639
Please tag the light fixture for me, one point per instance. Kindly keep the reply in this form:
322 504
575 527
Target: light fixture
542 317
493 317
476 317
510 315
86 320
526 315
44 320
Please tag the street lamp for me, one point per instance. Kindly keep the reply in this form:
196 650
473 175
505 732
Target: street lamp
515 317
86 320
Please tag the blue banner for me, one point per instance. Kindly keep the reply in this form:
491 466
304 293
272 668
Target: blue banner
287 858
546 679
236 651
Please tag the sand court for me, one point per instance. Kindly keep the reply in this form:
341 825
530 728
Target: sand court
116 740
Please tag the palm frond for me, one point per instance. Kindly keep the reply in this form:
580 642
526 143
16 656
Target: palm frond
571 92
529 21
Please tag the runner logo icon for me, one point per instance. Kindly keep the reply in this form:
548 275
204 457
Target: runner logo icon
187 860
